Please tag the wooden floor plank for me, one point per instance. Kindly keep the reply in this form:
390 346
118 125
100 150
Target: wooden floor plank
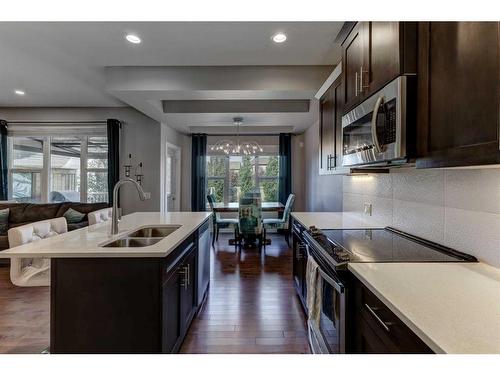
24 317
251 306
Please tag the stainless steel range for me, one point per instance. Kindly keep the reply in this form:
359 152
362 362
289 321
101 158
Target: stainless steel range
334 249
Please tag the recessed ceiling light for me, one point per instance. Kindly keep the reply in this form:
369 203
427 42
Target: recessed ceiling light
279 37
19 92
133 38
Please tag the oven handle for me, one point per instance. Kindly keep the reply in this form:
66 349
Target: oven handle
335 284
375 141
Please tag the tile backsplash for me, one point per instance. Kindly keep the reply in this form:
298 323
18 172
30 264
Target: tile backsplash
459 208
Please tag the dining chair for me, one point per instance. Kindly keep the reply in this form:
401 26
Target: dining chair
33 271
219 222
282 223
100 216
250 219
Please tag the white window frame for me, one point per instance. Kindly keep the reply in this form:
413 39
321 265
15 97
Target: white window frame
257 179
45 172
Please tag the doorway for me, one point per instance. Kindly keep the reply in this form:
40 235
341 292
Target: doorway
172 178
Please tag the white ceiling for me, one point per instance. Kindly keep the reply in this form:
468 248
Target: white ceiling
63 64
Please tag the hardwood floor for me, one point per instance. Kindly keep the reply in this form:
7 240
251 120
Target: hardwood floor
24 317
251 306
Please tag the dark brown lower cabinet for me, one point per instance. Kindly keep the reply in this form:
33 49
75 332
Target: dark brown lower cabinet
179 302
377 330
124 305
172 329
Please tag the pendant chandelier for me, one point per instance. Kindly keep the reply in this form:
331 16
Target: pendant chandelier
238 147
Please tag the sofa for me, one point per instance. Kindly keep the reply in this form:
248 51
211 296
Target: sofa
25 213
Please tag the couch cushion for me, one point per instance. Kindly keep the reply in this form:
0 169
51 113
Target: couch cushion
75 226
4 221
30 212
4 242
73 216
84 208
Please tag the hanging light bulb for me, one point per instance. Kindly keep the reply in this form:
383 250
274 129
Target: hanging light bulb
237 147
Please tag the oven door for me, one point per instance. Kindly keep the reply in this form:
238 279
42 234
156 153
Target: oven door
327 335
373 133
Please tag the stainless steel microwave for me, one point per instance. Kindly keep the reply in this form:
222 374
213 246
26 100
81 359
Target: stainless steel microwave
379 131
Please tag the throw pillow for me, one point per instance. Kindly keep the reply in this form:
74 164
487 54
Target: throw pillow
4 221
73 216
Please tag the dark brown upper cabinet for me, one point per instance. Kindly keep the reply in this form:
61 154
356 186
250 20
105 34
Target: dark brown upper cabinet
458 94
373 54
330 129
353 63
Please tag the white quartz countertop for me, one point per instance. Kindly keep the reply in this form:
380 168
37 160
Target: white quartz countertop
85 242
337 220
452 307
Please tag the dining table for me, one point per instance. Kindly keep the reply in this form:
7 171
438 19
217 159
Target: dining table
234 206
221 207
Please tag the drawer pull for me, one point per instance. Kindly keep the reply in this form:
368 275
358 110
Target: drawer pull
374 314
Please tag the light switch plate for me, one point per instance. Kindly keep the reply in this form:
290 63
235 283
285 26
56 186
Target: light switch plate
368 209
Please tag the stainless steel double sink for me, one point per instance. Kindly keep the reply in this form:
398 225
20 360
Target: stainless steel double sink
143 237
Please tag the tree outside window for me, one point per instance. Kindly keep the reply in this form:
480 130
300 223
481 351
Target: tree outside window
270 187
246 179
216 171
231 177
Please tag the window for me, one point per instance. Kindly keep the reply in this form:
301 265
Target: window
216 176
97 170
65 176
58 169
230 177
26 171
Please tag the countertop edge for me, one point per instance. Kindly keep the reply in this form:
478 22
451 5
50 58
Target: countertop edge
125 252
411 325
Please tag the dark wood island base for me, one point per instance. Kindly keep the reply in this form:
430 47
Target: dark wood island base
124 305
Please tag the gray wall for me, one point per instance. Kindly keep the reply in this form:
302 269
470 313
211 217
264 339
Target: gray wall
322 193
298 171
140 137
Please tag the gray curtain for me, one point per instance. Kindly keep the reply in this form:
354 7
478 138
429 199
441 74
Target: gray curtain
285 153
113 131
4 193
198 172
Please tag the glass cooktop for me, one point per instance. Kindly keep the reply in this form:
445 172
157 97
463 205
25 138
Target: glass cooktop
385 245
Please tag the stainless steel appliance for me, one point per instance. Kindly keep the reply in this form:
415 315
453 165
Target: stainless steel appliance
380 131
203 261
328 336
334 249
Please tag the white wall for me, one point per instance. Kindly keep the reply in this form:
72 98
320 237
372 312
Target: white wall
169 135
459 208
140 137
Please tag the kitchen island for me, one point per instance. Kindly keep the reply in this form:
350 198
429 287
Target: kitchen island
134 292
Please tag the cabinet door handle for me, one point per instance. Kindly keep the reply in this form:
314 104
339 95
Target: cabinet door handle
188 275
361 73
371 310
330 159
356 84
185 280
